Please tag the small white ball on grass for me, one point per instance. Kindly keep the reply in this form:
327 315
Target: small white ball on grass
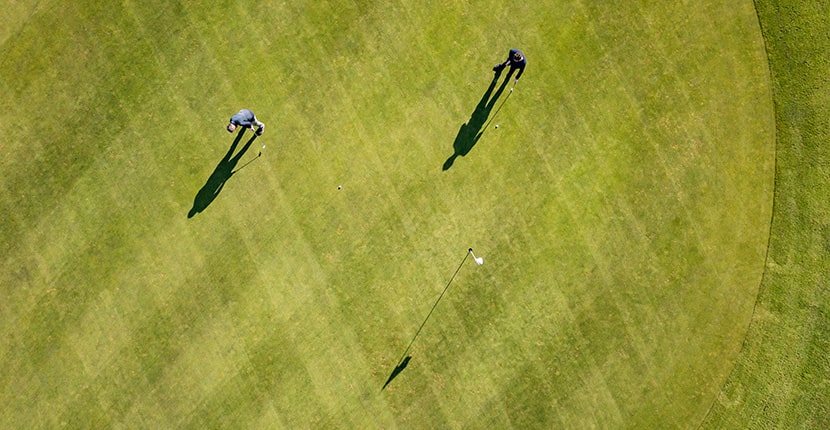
497 126
339 187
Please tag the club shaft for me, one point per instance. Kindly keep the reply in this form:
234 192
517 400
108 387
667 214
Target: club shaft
249 162
497 111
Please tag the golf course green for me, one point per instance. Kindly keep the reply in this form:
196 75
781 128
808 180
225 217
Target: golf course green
644 231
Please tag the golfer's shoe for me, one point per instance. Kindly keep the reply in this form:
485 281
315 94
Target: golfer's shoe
259 130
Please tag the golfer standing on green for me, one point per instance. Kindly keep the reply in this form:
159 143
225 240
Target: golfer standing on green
516 60
245 118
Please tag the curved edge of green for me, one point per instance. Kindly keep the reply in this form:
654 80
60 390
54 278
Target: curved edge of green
781 378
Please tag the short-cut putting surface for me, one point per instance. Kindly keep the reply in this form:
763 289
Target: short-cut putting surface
622 208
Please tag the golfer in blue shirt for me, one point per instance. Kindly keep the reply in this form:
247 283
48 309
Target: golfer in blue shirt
245 118
516 60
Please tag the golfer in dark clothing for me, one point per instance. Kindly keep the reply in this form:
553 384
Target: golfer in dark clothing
245 118
516 60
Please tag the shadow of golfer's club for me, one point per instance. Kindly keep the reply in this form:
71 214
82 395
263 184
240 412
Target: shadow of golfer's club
221 174
471 131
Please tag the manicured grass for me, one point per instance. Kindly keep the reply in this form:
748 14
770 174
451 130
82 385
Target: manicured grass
622 207
782 377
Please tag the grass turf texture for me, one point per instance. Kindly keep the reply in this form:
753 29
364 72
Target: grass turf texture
782 377
623 209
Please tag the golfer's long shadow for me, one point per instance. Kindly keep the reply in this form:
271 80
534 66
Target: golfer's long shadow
471 131
220 175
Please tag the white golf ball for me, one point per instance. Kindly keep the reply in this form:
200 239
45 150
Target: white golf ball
497 126
339 187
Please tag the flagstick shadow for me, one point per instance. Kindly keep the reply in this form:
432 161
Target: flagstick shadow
398 369
404 360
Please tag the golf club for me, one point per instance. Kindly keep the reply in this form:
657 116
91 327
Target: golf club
493 116
478 260
251 160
